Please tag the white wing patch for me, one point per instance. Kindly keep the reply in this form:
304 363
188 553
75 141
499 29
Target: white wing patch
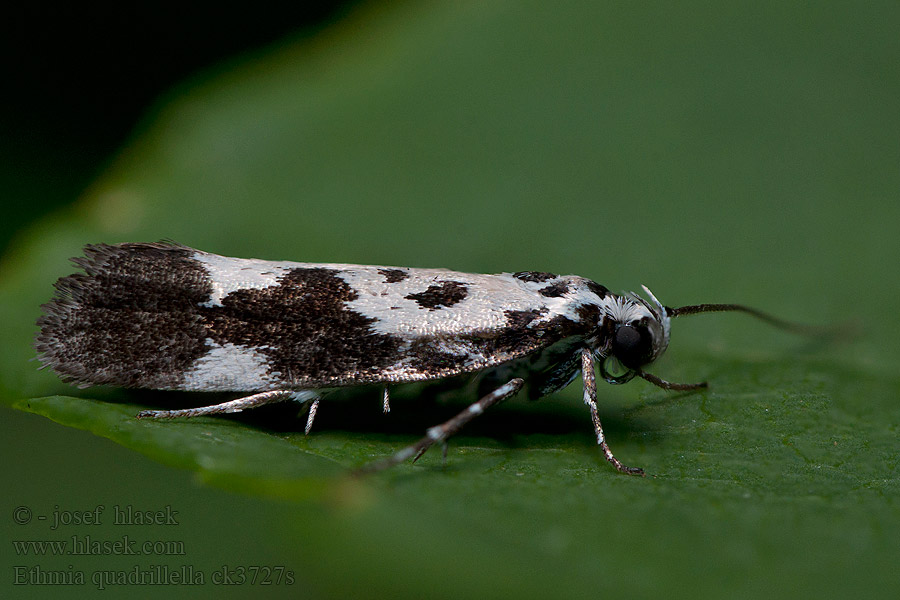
229 275
229 367
484 306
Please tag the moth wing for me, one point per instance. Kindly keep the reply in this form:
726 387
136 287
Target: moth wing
165 316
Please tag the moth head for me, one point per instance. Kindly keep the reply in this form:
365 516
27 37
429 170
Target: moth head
637 334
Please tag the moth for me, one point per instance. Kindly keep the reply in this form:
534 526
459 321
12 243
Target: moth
168 317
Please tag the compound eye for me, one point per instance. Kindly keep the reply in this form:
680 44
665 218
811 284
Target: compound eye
632 345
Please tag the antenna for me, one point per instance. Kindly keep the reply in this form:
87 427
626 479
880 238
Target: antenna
799 328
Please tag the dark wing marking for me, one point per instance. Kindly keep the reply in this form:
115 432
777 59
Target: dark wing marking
129 320
445 293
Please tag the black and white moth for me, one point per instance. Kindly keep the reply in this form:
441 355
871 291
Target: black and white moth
168 317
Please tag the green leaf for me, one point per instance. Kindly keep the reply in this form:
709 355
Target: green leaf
711 152
217 449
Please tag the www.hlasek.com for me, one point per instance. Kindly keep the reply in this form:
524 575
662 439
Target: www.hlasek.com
86 545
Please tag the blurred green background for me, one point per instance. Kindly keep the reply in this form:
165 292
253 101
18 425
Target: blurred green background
713 152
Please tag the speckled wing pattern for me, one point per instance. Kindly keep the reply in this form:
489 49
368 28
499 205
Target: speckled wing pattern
165 316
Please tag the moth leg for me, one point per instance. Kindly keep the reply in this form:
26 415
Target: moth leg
590 398
386 400
440 433
313 407
232 406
